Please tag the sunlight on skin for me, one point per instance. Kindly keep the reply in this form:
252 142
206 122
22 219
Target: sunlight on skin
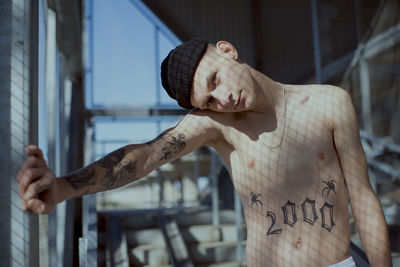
293 152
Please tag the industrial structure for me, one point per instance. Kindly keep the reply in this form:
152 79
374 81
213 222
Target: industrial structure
185 213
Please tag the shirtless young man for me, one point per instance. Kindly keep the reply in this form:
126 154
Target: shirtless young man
293 152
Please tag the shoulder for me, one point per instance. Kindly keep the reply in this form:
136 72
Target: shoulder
202 122
327 91
338 104
201 119
332 102
329 95
335 98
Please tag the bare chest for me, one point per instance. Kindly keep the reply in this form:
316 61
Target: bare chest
297 148
290 182
292 190
296 161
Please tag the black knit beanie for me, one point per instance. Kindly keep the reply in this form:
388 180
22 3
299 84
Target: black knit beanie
178 68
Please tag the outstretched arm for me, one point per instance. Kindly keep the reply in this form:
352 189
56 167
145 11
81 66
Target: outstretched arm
116 169
367 210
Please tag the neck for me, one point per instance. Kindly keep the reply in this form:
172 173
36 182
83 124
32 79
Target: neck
269 93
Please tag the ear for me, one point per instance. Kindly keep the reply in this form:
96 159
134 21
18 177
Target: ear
228 49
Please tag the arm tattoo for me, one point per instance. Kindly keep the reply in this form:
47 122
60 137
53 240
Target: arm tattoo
119 171
83 178
112 159
173 147
126 171
161 136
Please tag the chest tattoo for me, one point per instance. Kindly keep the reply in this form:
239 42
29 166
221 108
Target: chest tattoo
330 186
254 199
308 210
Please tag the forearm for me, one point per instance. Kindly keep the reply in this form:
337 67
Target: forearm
373 230
116 169
125 165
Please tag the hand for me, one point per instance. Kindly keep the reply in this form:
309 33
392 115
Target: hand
37 185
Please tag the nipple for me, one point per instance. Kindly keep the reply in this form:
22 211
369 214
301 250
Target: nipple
297 245
321 156
251 163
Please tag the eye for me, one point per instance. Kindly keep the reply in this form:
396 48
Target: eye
214 78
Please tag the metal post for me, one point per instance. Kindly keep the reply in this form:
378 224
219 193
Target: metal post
88 51
32 220
116 246
357 9
196 172
51 93
365 96
215 195
51 87
315 32
18 127
159 177
42 122
64 222
89 216
157 63
83 245
89 211
239 232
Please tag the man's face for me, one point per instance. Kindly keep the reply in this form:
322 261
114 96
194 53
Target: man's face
221 83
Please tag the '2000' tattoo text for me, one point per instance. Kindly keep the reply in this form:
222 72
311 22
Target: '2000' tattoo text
290 216
308 209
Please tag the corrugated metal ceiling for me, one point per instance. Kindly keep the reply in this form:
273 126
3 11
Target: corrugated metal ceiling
273 36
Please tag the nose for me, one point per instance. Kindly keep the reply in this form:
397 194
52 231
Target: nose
222 95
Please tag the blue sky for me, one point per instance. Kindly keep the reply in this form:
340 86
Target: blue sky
124 55
125 72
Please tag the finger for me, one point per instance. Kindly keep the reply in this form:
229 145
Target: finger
33 150
37 206
37 187
24 205
30 175
30 162
21 190
33 161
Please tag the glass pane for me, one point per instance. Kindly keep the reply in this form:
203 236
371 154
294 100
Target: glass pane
165 47
123 55
113 134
